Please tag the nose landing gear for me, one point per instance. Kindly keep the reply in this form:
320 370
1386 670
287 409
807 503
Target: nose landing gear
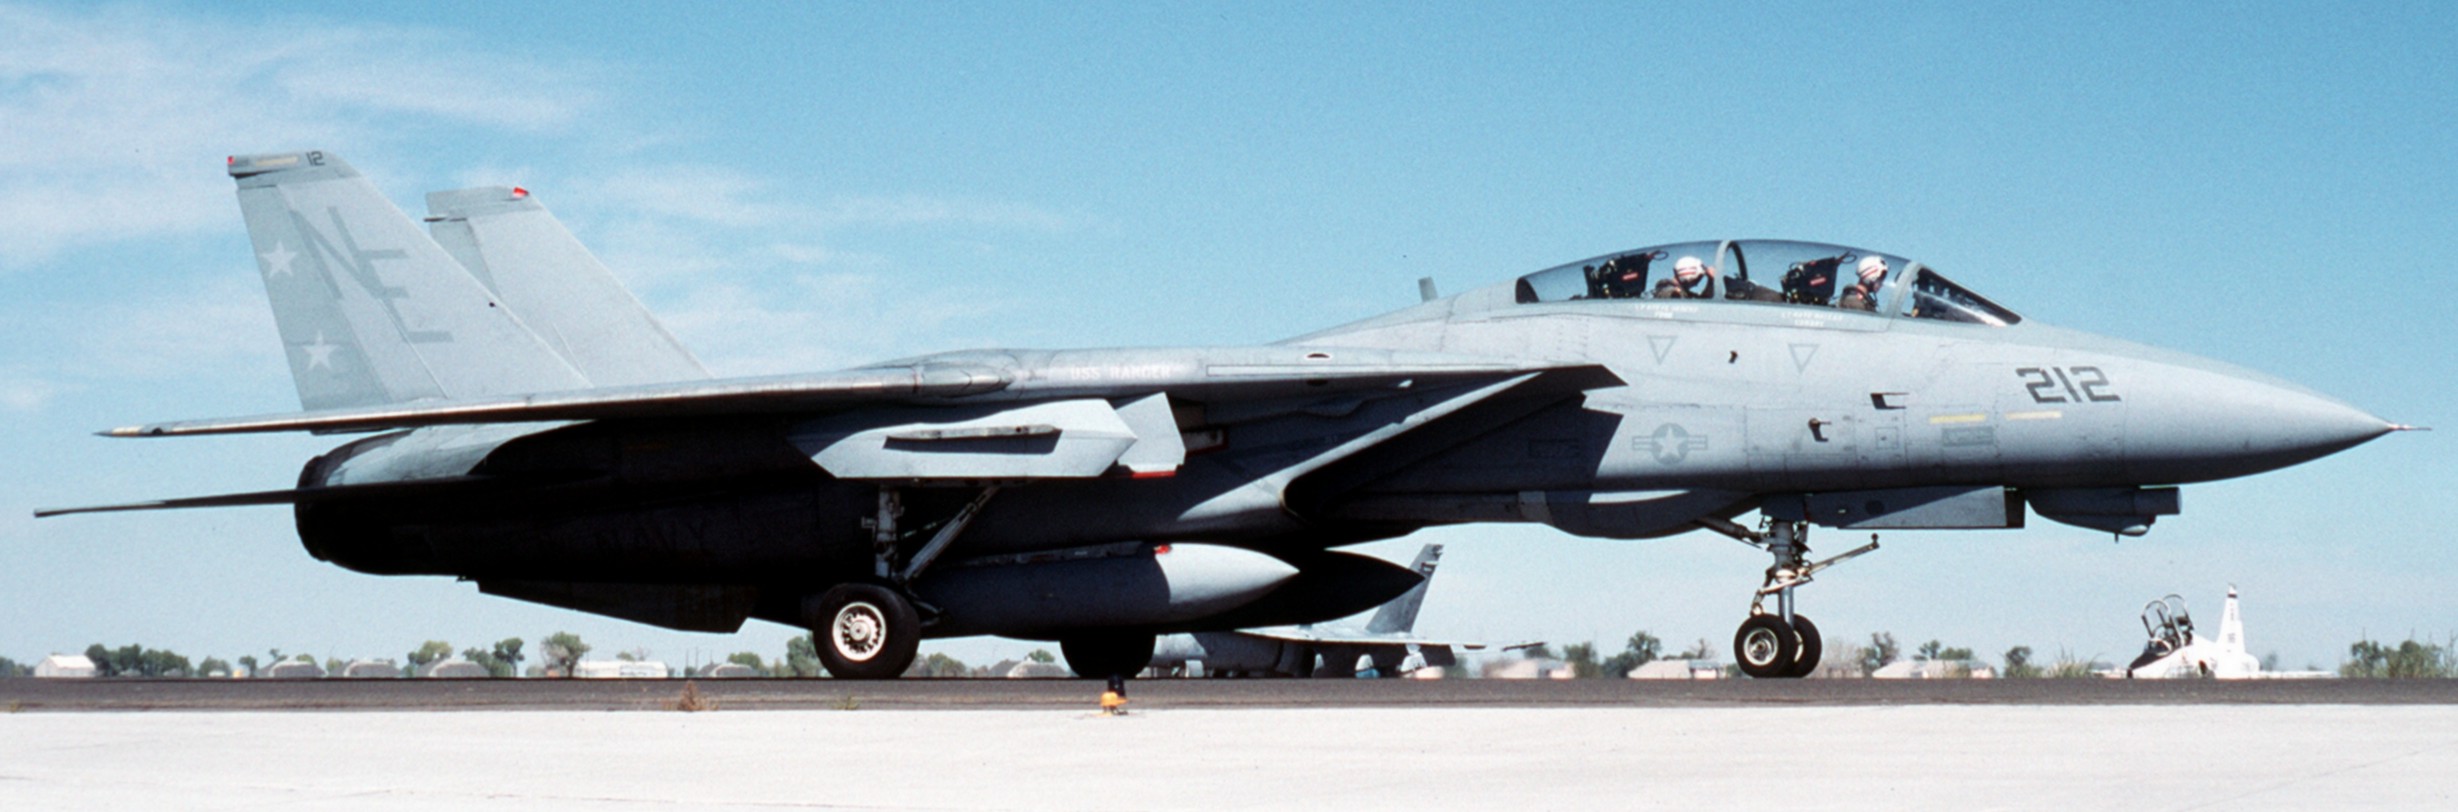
1781 643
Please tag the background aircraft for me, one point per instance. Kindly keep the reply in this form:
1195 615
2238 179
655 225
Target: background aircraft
1101 497
1388 643
2176 650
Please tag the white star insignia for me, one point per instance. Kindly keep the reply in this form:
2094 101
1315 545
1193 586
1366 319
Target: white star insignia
320 354
277 261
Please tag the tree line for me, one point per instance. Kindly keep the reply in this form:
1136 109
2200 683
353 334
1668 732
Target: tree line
2366 659
556 655
559 653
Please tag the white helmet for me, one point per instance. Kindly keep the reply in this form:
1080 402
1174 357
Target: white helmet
1872 266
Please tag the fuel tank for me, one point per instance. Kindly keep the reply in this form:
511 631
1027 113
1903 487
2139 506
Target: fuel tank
1114 586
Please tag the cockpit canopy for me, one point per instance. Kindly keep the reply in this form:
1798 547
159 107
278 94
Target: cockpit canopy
1775 272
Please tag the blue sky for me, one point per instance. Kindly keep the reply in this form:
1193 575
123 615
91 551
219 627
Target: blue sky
798 188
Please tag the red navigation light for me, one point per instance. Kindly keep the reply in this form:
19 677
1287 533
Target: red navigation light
1161 550
518 193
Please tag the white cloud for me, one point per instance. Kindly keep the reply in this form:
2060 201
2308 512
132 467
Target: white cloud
818 322
22 393
212 329
728 197
105 115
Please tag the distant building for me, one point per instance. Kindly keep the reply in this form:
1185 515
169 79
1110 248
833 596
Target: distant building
65 666
731 671
371 669
621 669
1529 669
454 668
1936 669
1679 669
291 669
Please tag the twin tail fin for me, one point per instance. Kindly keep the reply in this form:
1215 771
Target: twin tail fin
371 311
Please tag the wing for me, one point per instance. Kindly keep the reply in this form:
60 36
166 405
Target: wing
1233 374
1350 638
740 396
1002 415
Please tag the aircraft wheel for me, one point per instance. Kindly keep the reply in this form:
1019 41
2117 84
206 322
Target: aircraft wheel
866 631
1099 655
1811 647
1765 647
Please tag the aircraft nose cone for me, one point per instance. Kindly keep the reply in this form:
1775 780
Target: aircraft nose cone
2235 426
2309 426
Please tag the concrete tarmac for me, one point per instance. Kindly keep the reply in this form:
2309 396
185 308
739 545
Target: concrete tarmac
914 694
1221 744
1812 757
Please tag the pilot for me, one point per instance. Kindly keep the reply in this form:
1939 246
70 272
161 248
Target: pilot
1864 296
1691 279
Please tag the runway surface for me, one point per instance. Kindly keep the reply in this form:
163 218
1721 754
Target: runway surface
824 694
1286 744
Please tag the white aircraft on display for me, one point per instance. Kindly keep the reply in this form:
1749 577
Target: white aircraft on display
2176 651
1387 646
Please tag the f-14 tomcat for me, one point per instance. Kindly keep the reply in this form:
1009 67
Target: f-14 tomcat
530 427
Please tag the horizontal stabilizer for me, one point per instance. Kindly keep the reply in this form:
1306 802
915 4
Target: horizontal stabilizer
282 497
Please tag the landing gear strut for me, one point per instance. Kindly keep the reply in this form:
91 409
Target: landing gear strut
1781 643
872 629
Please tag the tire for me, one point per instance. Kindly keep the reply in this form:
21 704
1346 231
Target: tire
1811 647
1764 647
866 631
1104 654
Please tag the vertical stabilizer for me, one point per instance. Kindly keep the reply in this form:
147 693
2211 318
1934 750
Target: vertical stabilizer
1400 615
518 250
371 311
2231 625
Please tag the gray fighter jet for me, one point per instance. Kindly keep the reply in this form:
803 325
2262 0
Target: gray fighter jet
1388 644
528 427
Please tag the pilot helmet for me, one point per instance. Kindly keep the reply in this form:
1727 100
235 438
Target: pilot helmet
1873 269
1689 269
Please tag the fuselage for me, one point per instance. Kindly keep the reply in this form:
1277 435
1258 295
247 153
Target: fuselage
1692 409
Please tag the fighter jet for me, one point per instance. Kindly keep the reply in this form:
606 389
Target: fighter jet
526 426
1387 646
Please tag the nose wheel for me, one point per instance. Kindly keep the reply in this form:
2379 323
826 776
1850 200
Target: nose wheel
1779 643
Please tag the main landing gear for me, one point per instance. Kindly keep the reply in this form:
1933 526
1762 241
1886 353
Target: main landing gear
871 629
1781 644
866 631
